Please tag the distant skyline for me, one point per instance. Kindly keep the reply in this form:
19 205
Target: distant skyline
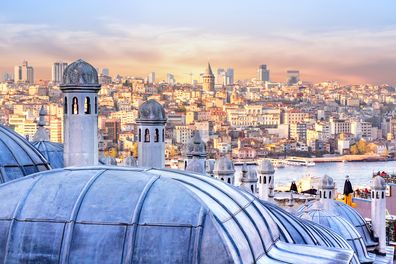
350 41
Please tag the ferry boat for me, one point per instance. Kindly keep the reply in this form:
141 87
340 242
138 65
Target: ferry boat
294 161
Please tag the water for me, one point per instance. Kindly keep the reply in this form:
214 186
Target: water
360 173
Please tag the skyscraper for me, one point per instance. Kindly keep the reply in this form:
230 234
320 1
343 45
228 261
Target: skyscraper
220 77
105 72
263 73
151 77
230 76
24 73
57 71
170 79
208 79
293 77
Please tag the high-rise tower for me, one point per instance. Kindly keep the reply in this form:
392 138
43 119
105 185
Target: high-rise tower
151 123
80 88
57 71
208 80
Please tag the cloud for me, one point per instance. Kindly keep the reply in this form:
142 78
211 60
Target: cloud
348 56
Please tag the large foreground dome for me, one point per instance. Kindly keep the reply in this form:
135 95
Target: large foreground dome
18 157
126 215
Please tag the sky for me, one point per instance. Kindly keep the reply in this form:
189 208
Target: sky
350 41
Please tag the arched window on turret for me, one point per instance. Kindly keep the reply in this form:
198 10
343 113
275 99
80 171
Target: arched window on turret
140 135
383 195
96 105
156 135
65 106
320 194
324 194
265 180
163 135
377 195
75 106
87 105
229 180
330 195
269 179
260 179
147 135
251 187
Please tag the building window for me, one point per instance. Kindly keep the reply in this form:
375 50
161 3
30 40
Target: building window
265 180
140 135
156 135
377 195
251 187
260 179
320 194
87 105
383 195
229 180
330 195
163 135
324 195
269 179
75 106
65 106
96 105
147 135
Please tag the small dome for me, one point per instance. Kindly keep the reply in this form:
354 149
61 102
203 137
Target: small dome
196 146
378 183
80 74
130 161
348 213
107 160
224 166
150 111
327 182
18 157
52 151
265 167
248 174
342 227
195 165
109 214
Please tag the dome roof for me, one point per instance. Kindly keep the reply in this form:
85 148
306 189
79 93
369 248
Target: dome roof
53 152
342 227
265 167
299 231
130 161
109 214
209 166
248 174
378 183
195 165
223 166
326 182
150 111
80 74
107 160
348 213
18 157
196 146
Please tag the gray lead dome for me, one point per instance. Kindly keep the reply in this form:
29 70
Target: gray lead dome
80 74
18 157
151 110
124 215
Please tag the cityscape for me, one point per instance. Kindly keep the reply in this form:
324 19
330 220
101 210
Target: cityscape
176 141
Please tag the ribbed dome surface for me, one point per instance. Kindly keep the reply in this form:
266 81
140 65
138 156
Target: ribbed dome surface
223 166
53 152
80 74
18 157
151 110
342 227
348 213
125 215
265 167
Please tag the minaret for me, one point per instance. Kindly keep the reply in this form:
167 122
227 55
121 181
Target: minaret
249 179
266 173
378 208
224 170
196 148
80 88
151 132
41 134
208 80
326 190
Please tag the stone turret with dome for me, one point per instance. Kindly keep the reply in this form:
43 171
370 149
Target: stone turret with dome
224 170
249 179
266 173
196 148
80 88
151 135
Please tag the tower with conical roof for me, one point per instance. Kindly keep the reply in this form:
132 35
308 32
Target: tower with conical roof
151 133
208 80
196 149
266 173
80 88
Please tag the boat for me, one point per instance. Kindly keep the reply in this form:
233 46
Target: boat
295 161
